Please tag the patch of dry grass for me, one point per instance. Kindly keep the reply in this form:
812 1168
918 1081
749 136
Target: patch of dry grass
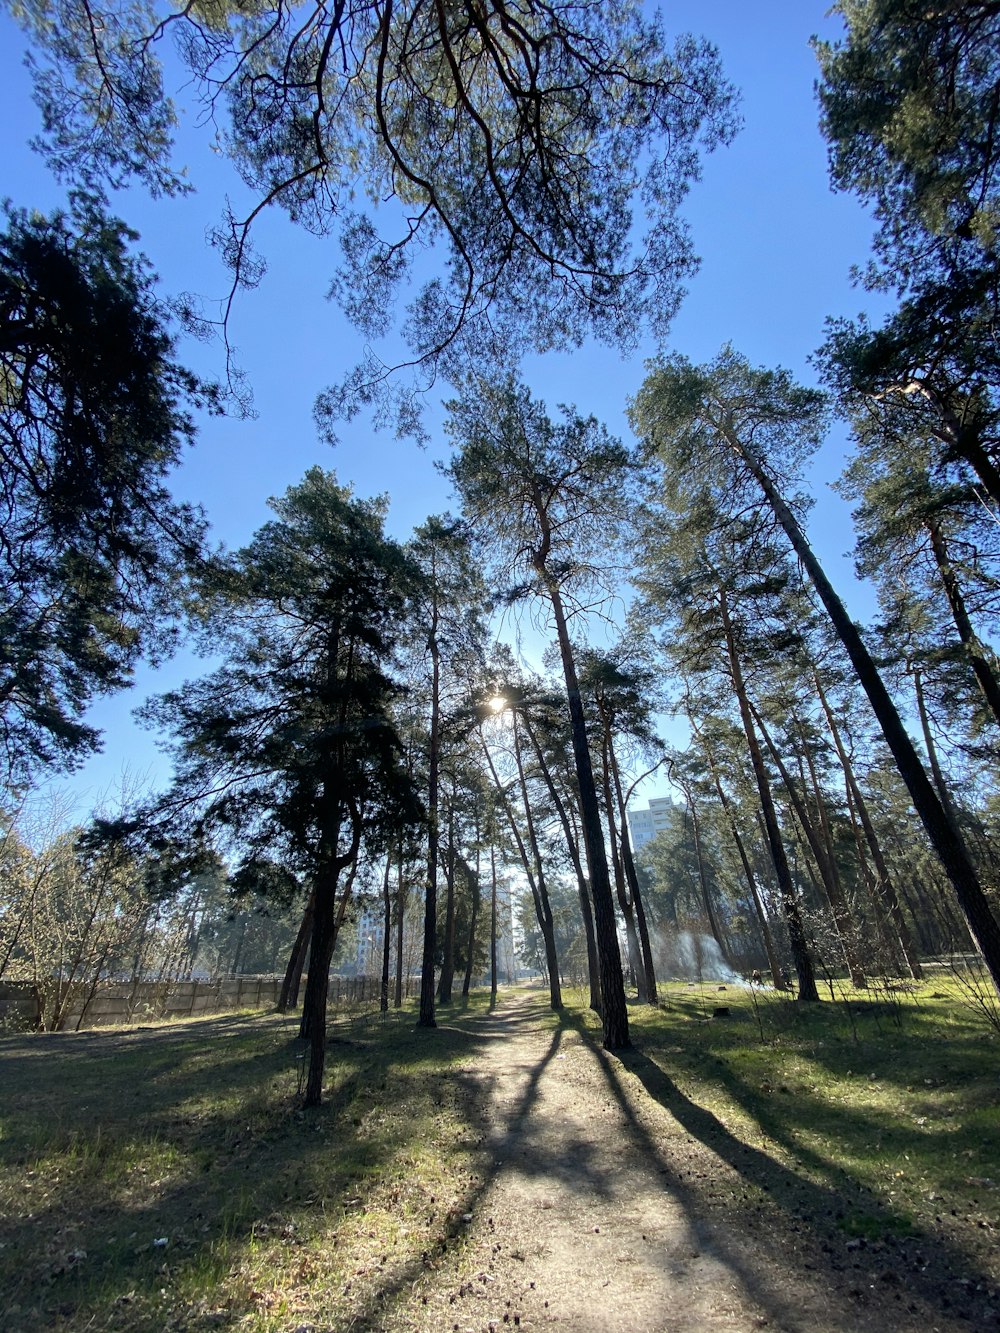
167 1179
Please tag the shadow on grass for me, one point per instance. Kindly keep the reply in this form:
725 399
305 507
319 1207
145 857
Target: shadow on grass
476 1093
926 1267
193 1134
140 1170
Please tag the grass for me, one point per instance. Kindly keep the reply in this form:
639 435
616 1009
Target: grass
891 1100
167 1179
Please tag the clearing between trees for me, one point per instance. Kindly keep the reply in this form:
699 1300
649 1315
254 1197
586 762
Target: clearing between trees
502 1171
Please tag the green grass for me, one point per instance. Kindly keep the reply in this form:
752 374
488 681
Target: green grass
167 1179
891 1100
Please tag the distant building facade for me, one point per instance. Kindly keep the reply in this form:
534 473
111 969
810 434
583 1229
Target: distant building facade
644 825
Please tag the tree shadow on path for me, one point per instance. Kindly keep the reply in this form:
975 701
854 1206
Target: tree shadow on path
928 1281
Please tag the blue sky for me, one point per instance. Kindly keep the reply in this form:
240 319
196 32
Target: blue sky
776 247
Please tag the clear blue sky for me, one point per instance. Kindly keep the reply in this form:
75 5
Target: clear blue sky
776 247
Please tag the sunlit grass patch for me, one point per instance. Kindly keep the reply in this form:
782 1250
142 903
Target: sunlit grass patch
168 1178
895 1095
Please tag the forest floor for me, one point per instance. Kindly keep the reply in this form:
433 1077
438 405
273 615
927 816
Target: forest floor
746 1165
616 1204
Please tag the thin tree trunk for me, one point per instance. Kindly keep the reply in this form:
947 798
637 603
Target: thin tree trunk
493 926
765 929
573 848
426 1019
829 879
943 790
706 895
940 828
632 879
801 958
624 902
400 915
289 995
542 905
473 919
885 887
386 936
447 978
979 660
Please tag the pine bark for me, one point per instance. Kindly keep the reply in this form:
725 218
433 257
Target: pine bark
943 834
801 957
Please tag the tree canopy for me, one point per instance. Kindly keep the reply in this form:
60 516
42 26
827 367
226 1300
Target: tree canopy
94 413
522 140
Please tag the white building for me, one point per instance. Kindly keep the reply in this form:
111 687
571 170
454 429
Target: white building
643 825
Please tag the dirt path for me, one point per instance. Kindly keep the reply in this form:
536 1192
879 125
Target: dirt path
610 1202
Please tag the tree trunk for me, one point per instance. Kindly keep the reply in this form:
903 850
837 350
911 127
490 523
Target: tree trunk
324 939
706 895
473 919
400 916
940 829
833 890
426 1019
635 960
615 1009
383 999
573 848
927 731
493 926
765 929
447 978
289 995
632 879
979 660
543 907
885 888
801 958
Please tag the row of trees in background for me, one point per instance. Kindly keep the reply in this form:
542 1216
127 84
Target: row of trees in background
363 736
305 761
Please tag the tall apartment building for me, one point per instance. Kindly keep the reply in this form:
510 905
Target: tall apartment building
643 825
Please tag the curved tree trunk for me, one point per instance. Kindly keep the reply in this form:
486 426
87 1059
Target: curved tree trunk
289 995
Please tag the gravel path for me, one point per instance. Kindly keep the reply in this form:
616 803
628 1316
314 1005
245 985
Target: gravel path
609 1203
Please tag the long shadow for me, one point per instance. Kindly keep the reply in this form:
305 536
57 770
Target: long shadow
495 1027
145 1108
116 1110
925 1264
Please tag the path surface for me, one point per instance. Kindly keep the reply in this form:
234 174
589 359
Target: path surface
611 1203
